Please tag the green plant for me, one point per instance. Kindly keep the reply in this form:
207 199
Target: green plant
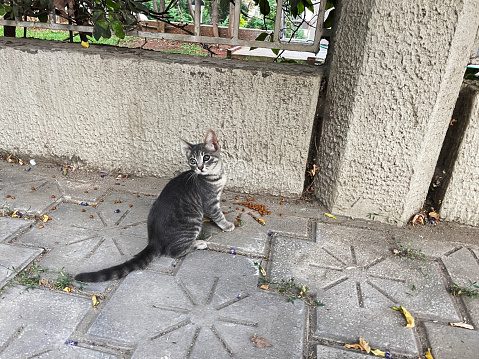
471 290
372 215
409 252
29 277
65 280
289 288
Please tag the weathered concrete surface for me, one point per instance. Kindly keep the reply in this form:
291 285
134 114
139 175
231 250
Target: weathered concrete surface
209 303
107 108
461 199
396 70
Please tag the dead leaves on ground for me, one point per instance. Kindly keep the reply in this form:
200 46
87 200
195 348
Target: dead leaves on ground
462 325
407 315
260 342
363 346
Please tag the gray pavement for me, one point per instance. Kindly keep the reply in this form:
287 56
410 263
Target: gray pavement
210 304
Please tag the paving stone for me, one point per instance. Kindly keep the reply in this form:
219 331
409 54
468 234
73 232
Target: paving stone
432 244
39 322
250 239
358 279
126 215
27 200
9 227
211 307
462 266
82 191
335 353
451 343
14 258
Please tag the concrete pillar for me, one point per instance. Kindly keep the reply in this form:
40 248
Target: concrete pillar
396 70
461 199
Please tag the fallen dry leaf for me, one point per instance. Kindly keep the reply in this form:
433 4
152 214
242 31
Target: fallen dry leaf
434 215
260 342
462 325
265 286
407 315
94 301
331 216
353 346
363 345
428 354
378 353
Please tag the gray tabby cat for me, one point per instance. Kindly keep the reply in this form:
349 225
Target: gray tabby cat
176 217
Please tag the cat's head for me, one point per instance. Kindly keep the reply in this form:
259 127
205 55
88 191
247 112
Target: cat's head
203 158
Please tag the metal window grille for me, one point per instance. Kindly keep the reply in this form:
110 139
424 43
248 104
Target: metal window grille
279 39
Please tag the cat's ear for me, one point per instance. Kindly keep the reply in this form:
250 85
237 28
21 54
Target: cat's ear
185 148
211 141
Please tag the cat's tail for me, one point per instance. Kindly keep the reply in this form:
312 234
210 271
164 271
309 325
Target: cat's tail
139 261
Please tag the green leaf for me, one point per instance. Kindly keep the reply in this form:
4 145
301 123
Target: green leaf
104 24
330 19
141 7
275 51
264 7
309 5
4 9
262 36
99 31
116 26
129 18
97 15
112 5
330 4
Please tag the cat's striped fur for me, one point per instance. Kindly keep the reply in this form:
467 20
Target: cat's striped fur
176 217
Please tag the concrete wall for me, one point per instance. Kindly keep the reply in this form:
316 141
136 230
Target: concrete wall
108 108
396 70
461 199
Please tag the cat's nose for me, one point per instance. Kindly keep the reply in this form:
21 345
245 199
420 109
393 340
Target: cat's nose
200 168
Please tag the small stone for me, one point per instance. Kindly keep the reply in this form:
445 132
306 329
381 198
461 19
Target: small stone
27 169
33 162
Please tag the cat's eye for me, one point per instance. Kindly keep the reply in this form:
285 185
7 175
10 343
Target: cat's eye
206 158
192 161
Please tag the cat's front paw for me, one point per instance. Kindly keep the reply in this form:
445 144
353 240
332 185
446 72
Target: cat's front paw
229 227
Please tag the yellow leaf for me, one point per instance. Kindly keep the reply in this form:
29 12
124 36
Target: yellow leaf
364 345
378 353
67 289
261 221
428 354
330 216
462 325
94 301
407 315
265 286
263 272
85 44
353 346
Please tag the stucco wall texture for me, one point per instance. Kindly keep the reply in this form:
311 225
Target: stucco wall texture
107 108
461 200
396 70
